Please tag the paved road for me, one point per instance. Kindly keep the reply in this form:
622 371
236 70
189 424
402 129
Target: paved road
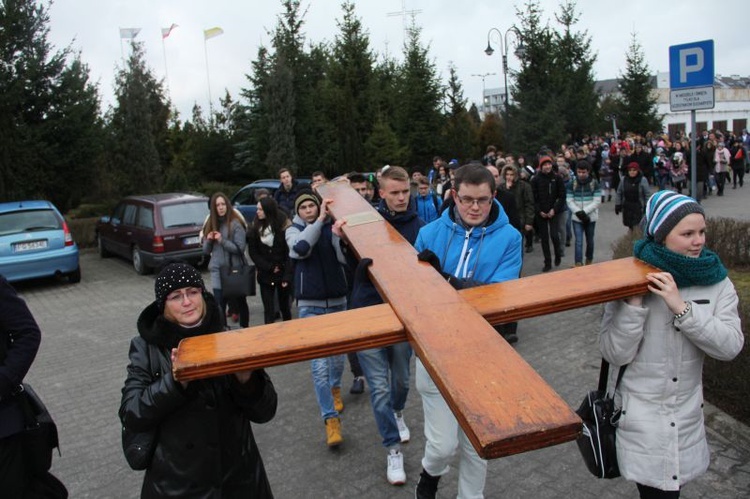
81 366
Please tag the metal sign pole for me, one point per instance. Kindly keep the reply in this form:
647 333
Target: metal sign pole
693 164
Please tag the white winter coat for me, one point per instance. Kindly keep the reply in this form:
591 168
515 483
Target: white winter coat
661 439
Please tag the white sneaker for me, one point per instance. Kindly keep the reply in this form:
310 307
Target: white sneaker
395 472
403 430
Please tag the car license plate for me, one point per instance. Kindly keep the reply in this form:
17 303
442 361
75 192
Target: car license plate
190 241
30 246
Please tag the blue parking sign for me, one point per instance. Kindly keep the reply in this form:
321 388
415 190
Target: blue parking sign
691 65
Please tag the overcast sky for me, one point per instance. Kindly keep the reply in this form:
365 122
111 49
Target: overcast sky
455 30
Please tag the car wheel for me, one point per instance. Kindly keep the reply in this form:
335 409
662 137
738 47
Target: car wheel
75 276
138 264
100 245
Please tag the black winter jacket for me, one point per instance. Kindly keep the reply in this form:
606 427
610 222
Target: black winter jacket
19 342
206 447
266 258
407 224
549 192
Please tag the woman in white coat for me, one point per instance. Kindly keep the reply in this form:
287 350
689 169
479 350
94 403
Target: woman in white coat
663 336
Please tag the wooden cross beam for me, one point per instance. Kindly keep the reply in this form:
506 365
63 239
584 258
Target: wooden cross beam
500 401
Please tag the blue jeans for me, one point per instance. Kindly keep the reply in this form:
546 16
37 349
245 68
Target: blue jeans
326 372
587 230
387 395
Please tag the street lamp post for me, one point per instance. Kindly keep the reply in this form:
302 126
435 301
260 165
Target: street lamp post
520 51
613 119
484 98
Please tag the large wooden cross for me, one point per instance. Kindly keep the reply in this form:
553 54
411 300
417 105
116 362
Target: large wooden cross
501 403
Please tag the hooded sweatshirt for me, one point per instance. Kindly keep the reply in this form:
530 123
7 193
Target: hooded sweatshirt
476 255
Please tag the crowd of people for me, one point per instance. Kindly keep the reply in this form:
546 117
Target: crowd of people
473 223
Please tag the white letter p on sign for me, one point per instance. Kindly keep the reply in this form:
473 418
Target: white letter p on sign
686 68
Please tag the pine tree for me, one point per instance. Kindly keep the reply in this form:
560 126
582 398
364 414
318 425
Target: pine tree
459 132
49 112
252 120
139 126
350 104
536 117
418 118
637 103
575 63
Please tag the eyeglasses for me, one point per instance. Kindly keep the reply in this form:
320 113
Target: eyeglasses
178 296
469 201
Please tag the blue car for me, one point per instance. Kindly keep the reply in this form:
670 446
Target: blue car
35 242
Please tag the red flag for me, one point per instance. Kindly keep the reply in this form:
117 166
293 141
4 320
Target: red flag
166 31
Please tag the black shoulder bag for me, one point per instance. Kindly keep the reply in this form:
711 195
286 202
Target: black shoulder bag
237 281
600 418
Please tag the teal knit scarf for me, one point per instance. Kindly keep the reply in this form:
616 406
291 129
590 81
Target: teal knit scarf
705 270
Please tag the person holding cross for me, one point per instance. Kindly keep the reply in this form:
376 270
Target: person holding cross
472 243
387 369
662 337
320 288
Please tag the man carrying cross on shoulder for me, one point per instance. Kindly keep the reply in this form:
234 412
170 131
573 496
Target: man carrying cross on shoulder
387 369
472 243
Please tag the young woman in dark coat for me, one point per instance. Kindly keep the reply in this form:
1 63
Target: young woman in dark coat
204 442
266 245
632 194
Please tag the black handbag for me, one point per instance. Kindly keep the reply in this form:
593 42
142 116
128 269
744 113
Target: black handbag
139 447
600 418
40 435
238 280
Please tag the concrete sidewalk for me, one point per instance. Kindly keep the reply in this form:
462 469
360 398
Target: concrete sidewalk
81 366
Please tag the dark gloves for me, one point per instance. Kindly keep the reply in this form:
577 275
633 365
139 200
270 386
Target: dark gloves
618 209
583 216
360 273
431 258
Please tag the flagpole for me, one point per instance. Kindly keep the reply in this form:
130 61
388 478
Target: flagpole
166 69
208 80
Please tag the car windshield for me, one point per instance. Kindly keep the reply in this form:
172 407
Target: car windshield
17 222
184 214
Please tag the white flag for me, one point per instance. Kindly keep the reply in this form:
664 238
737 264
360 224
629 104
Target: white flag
129 33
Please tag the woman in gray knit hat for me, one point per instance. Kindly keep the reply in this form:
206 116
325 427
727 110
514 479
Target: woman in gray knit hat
662 337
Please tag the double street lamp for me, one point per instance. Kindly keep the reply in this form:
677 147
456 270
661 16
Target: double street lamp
484 97
520 52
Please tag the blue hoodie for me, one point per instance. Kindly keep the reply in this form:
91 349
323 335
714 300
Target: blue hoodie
476 255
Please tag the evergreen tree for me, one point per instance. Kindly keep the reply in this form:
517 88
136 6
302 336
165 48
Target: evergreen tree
418 118
252 120
575 63
536 117
459 131
139 127
637 103
48 112
350 101
383 147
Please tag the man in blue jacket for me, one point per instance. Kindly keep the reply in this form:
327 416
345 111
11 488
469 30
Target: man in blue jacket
320 288
472 243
